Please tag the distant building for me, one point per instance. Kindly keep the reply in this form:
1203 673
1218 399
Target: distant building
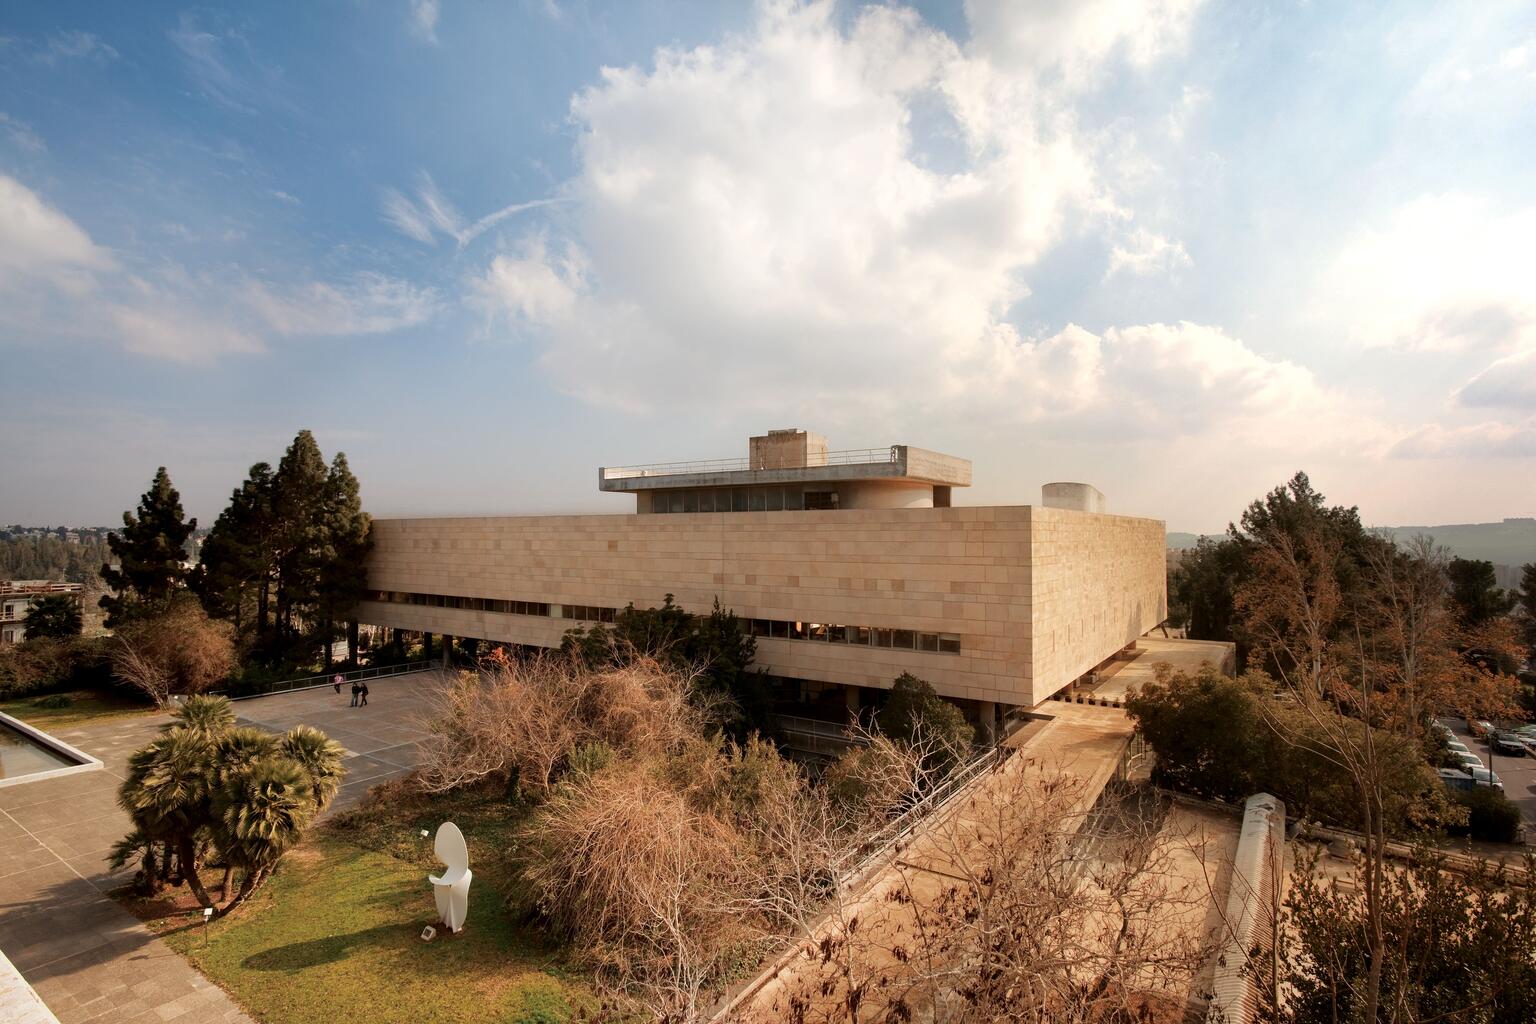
850 568
16 597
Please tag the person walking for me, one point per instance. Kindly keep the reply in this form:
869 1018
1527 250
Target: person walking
356 692
336 679
365 695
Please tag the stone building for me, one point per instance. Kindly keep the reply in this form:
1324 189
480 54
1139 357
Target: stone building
16 599
851 567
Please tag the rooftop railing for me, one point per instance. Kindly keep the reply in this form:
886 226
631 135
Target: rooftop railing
848 457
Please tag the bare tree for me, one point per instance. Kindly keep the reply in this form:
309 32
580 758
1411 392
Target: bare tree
1017 904
179 651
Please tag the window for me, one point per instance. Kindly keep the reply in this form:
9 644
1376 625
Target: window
758 499
903 638
775 499
858 635
821 500
690 501
949 643
880 637
928 642
739 500
815 631
780 629
794 499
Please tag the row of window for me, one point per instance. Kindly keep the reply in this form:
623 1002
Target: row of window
904 639
773 629
590 613
744 499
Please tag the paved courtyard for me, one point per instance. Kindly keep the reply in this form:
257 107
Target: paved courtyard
92 961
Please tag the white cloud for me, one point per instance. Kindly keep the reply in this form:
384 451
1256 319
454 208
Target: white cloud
431 212
1073 40
751 229
21 133
1443 273
73 46
1146 252
37 242
368 304
1473 441
1508 383
285 197
54 280
424 19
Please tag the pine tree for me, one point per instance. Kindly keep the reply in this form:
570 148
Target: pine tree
149 552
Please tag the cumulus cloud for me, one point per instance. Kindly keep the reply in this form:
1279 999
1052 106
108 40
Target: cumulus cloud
1442 273
1072 40
1146 252
751 229
1508 383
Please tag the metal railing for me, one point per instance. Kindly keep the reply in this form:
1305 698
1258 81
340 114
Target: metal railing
328 679
855 861
848 457
816 727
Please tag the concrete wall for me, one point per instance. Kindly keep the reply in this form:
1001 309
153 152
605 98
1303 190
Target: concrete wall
967 571
1080 497
1099 583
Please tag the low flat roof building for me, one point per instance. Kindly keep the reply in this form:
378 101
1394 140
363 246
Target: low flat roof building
850 567
16 600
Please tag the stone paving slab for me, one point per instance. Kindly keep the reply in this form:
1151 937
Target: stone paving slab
89 959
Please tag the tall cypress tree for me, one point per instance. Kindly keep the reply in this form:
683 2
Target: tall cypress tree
234 577
343 576
299 535
149 552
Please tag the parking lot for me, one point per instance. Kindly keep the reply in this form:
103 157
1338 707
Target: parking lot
1517 773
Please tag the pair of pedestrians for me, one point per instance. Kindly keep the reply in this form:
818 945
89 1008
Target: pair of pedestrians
359 691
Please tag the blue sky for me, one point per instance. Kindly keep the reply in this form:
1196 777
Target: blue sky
1178 249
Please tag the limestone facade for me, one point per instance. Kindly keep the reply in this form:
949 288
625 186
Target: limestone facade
1037 596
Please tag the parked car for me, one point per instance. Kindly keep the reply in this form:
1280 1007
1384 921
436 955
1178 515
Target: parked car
1453 779
1526 730
1458 748
1479 727
1484 777
1467 759
1507 743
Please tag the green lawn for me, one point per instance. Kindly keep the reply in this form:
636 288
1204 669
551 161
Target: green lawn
333 937
85 706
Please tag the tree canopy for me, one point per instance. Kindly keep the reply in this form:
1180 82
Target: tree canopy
150 552
285 561
56 616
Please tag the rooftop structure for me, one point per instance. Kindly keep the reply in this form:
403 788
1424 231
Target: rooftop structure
792 470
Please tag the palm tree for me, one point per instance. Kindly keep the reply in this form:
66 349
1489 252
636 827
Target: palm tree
320 757
261 812
167 793
211 716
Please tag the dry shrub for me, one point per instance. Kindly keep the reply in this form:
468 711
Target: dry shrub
651 890
523 718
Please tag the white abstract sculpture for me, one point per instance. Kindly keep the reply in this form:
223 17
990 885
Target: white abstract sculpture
451 887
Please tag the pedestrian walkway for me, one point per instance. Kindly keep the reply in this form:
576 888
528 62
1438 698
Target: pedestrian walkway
89 959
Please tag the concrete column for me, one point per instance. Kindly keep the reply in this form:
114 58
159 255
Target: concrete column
398 639
986 722
426 646
447 650
854 698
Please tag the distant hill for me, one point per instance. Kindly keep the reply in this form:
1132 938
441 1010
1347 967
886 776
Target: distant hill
1508 545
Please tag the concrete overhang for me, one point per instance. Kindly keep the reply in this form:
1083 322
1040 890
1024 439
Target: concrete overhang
898 463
